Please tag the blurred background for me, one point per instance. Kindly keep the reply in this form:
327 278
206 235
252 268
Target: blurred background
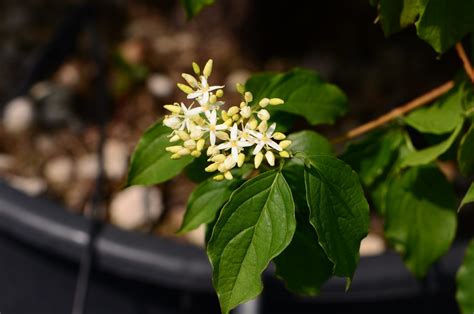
81 82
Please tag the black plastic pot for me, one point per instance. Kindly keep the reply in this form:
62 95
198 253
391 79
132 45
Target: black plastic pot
41 245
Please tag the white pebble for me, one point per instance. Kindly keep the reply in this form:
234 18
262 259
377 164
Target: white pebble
372 244
136 207
18 115
88 166
115 159
160 85
32 186
59 170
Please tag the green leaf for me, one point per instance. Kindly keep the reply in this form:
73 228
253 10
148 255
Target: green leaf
420 218
193 7
441 117
465 282
397 14
338 210
205 202
466 153
304 93
371 157
151 163
427 155
255 225
303 265
469 197
442 23
310 143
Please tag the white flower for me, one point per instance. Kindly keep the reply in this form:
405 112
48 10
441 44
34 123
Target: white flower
202 94
264 139
213 127
174 122
234 144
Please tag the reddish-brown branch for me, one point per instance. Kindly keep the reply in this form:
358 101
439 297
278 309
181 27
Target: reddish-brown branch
465 61
397 112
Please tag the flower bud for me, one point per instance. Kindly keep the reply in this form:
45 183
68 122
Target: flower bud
200 144
190 144
240 88
224 115
213 99
219 93
212 150
284 154
222 135
263 126
276 101
174 138
218 158
233 110
173 108
279 136
228 175
175 156
191 80
185 88
184 152
243 104
229 122
196 68
173 149
221 167
236 117
284 144
258 159
211 167
246 112
229 162
270 158
196 153
207 69
264 102
241 160
248 97
253 124
263 115
219 177
183 135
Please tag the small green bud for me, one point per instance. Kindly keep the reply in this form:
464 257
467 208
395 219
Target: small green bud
207 68
196 68
240 88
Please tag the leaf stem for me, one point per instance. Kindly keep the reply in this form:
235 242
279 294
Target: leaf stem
465 61
395 113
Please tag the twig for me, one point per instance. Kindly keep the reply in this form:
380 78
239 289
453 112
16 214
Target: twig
465 61
397 112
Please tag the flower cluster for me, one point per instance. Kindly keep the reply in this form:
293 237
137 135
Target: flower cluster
225 135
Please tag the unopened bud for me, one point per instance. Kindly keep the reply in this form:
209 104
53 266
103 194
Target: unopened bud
190 144
229 122
200 144
263 126
173 108
196 68
270 158
219 177
224 115
233 110
276 101
264 102
284 154
219 93
222 135
241 160
248 97
184 152
185 88
183 135
196 153
207 68
173 149
213 99
211 167
279 136
229 162
240 88
191 80
258 159
284 144
253 124
228 175
236 117
175 156
218 158
246 112
174 138
263 115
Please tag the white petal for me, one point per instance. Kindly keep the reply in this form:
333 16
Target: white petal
204 99
204 81
194 95
194 111
244 144
233 132
258 148
224 146
214 88
221 127
235 154
256 134
212 137
274 145
271 129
